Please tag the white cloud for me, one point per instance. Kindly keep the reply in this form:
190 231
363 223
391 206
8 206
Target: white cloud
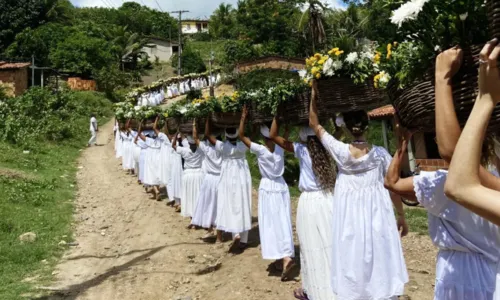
197 8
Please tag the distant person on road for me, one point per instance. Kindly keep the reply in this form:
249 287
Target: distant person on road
93 130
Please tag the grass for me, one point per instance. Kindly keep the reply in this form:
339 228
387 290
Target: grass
204 49
38 189
417 220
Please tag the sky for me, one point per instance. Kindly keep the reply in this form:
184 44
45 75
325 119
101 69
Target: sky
198 9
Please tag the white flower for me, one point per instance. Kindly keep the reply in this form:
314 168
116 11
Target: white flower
463 17
337 65
327 67
196 104
137 108
183 110
407 11
437 48
352 57
302 74
384 78
367 55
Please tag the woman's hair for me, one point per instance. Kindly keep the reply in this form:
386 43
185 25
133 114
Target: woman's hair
322 163
488 156
356 122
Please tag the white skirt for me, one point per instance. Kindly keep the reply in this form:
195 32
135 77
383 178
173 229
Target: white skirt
118 144
142 161
174 186
314 229
137 155
234 197
128 155
165 162
151 167
191 183
205 212
275 219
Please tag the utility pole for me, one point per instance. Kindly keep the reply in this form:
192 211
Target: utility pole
212 57
32 70
179 67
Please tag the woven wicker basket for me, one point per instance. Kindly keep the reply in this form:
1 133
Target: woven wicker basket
186 126
258 116
415 104
342 95
148 124
493 10
226 120
134 124
173 124
296 111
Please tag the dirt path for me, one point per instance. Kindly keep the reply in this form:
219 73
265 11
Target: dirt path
131 247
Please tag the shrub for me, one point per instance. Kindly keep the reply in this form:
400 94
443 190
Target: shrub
194 94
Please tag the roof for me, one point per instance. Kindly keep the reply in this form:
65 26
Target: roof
382 112
6 65
172 42
194 20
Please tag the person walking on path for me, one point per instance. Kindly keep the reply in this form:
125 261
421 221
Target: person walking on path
93 130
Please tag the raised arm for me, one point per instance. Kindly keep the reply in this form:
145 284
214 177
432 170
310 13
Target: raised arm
139 133
463 183
155 126
313 112
174 142
241 130
393 181
195 134
278 140
208 132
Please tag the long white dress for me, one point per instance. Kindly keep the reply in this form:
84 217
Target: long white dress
368 260
127 150
314 229
151 166
205 212
234 197
166 151
469 246
142 157
275 213
174 186
191 179
118 144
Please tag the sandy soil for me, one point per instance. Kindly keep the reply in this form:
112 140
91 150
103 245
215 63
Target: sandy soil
132 247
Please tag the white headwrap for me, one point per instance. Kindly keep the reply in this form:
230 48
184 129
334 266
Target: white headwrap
264 130
497 147
232 136
339 121
306 132
190 139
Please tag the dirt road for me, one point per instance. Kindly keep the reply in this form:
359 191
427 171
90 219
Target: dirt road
131 247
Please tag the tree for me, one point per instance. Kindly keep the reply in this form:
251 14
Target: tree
222 22
192 62
312 22
128 46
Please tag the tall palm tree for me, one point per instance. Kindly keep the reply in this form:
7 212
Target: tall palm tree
311 22
221 21
129 45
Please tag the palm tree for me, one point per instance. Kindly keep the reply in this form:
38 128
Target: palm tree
58 10
311 22
221 21
129 46
346 27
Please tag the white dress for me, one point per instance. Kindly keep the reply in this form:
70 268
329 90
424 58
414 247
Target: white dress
314 230
368 260
234 197
166 151
469 245
151 166
127 151
118 144
142 156
205 212
191 179
275 213
174 186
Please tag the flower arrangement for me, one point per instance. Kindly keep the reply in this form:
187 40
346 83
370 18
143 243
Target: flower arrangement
226 104
201 108
175 110
124 111
357 65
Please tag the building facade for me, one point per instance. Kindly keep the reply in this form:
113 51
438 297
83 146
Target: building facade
194 26
15 76
162 51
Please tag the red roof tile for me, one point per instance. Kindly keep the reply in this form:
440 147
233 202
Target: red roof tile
6 65
382 112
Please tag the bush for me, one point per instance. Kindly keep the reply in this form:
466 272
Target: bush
192 62
235 51
201 37
194 94
41 115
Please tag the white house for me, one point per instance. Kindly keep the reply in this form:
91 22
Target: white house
163 50
194 26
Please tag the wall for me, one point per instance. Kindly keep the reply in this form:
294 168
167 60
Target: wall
78 84
190 27
163 51
17 77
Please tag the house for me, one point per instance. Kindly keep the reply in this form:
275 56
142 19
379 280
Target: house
422 150
15 75
194 26
163 49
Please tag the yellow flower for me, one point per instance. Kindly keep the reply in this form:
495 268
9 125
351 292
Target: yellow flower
395 44
376 58
314 71
310 83
317 56
333 51
306 80
389 52
322 61
337 53
318 76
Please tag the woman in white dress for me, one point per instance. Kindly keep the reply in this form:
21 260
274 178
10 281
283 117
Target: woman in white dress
192 176
152 157
165 162
234 195
275 213
118 140
127 149
142 155
314 212
367 256
468 258
205 212
175 179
